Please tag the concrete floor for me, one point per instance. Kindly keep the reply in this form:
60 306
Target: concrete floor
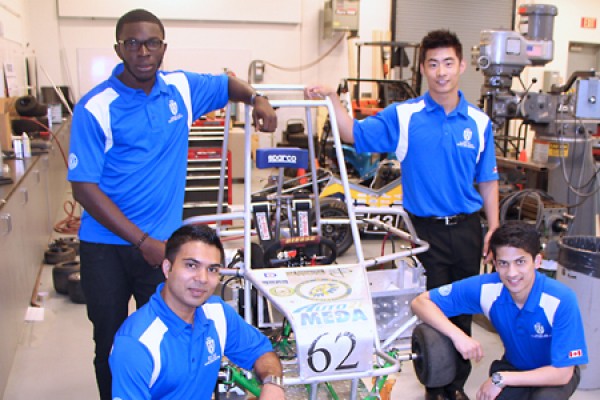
54 359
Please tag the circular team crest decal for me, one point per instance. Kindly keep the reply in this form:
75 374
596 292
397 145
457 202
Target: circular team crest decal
323 290
281 291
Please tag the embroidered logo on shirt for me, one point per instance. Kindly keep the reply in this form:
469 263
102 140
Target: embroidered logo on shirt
445 290
173 107
210 346
540 332
467 136
575 353
539 328
73 161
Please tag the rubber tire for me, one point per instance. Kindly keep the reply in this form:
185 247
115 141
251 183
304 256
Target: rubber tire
61 273
435 365
28 106
341 235
58 254
295 127
74 288
257 256
69 241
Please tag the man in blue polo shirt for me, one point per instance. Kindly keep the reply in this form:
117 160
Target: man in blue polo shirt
445 145
537 318
172 347
127 167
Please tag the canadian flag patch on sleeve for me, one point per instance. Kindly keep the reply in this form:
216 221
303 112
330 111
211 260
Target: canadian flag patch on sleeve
575 353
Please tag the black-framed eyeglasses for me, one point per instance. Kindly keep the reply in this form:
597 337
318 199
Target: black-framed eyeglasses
151 44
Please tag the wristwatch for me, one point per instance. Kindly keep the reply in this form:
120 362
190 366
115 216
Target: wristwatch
498 380
255 95
273 380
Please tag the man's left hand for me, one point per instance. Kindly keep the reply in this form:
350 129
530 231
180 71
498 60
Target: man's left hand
488 391
272 392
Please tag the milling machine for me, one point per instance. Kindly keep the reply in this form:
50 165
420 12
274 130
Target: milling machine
562 180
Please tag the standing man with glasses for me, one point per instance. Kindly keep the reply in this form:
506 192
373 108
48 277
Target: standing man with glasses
127 167
445 145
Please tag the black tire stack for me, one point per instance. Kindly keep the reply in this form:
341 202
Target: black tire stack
62 253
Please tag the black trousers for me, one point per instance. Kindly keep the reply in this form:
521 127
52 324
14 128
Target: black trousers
535 393
454 254
110 275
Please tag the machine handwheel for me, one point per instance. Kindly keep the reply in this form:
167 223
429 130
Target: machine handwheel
435 364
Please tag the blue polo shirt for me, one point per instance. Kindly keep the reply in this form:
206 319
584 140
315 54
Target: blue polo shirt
134 146
157 355
441 155
548 330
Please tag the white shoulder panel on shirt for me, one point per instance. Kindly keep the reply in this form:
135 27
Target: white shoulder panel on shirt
152 339
179 80
404 112
99 107
215 312
489 294
549 304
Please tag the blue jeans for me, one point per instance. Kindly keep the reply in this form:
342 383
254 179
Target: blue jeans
110 275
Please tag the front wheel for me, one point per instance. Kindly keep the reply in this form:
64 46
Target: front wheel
435 365
341 235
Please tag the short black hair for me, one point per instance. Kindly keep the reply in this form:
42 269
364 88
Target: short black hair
517 234
138 15
192 233
440 38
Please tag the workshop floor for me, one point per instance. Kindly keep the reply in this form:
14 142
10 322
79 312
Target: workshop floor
54 358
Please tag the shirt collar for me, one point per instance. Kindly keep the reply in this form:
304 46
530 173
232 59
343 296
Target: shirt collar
128 92
533 300
461 109
175 324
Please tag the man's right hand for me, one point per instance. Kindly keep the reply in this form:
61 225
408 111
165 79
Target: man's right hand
344 121
469 348
318 92
153 251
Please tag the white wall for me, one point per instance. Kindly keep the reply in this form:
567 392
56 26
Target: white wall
205 46
57 42
13 50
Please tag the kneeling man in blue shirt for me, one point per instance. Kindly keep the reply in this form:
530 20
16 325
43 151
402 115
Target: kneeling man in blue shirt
537 318
172 347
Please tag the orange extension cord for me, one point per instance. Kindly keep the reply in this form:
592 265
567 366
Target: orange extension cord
70 224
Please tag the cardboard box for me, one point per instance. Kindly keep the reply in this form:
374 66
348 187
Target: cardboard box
7 112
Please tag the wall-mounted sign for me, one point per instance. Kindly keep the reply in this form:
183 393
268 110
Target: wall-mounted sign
588 22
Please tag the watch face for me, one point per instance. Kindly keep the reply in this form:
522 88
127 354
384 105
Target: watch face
496 379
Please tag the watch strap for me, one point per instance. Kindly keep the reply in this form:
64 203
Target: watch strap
273 380
255 95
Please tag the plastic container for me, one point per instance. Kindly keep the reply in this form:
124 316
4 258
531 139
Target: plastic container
17 143
579 269
392 290
26 145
